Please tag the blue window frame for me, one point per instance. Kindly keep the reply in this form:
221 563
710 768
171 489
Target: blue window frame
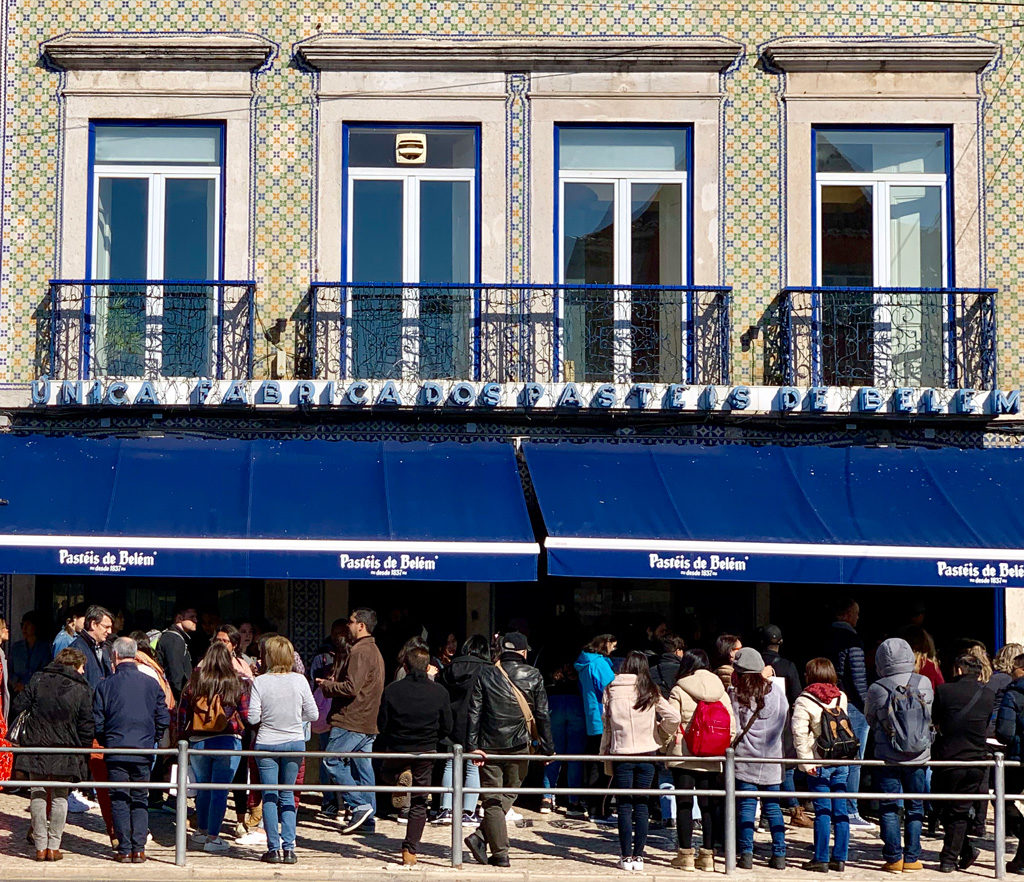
155 215
623 251
411 250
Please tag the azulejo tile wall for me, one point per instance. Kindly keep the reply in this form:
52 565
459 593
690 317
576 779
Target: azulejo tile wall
284 113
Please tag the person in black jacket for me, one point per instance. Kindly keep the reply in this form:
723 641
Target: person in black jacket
961 714
173 650
59 702
496 725
665 667
458 678
415 717
847 654
1010 732
130 712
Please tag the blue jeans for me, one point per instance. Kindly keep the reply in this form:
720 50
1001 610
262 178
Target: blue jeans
329 802
633 776
746 809
860 729
570 736
279 805
830 814
211 804
358 772
789 786
471 779
901 779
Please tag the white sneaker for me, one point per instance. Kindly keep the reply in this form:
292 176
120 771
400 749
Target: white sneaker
200 838
638 865
513 816
76 803
216 845
257 837
626 864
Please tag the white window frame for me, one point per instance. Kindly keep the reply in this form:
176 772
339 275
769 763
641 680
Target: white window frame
881 184
157 176
622 181
411 180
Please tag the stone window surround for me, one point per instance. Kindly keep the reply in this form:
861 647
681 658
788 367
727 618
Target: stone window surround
160 78
671 80
894 82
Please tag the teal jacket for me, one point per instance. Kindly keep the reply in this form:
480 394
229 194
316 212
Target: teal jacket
595 673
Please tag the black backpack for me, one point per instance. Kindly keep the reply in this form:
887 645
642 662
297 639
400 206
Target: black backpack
837 740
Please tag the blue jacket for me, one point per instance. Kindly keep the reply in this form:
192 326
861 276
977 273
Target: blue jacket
847 654
97 661
595 673
1010 720
129 710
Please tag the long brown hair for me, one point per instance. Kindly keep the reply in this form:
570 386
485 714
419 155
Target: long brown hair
647 694
750 690
216 675
342 650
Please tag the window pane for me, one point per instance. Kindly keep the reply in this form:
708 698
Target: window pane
377 252
656 246
446 148
622 149
906 151
445 313
847 236
189 252
158 144
915 223
122 252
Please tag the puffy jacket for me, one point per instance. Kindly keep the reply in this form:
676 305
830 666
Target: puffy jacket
665 672
1010 720
806 726
495 721
894 664
458 678
847 655
60 703
701 685
763 740
595 672
628 731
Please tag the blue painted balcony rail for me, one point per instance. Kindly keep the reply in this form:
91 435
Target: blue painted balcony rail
852 336
517 332
149 328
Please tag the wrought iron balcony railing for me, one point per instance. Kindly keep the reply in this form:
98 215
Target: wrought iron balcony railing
149 328
517 333
936 337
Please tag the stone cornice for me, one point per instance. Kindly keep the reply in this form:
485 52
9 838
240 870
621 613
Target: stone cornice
202 52
896 55
345 53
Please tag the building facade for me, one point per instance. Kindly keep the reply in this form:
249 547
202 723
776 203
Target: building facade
620 225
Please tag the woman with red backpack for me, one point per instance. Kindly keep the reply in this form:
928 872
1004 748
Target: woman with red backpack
706 728
822 730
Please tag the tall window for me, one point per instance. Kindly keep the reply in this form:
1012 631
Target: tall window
411 237
882 223
156 193
623 198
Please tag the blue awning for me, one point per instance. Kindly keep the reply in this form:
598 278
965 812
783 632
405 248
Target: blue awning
265 509
855 515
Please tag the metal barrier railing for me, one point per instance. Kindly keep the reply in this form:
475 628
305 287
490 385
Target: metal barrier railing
458 790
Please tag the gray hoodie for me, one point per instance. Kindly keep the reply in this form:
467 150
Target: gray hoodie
894 663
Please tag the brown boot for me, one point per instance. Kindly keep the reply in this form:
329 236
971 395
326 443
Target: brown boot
706 860
683 860
798 818
408 857
41 855
54 854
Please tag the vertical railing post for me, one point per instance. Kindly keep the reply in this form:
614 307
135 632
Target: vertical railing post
181 805
250 364
1000 815
730 811
458 776
724 329
788 349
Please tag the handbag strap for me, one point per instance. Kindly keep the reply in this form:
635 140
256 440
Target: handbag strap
746 728
524 705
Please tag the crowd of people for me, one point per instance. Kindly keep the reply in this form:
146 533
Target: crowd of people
659 715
